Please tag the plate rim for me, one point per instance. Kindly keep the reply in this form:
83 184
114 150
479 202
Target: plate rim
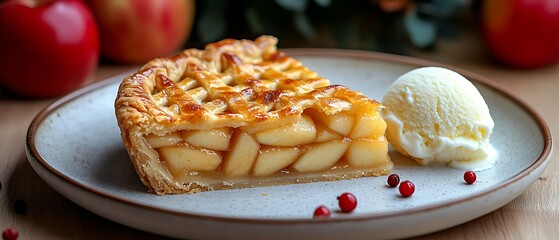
543 158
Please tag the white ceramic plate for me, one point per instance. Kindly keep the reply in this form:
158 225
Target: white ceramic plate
75 146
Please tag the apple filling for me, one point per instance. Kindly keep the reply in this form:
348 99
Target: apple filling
313 145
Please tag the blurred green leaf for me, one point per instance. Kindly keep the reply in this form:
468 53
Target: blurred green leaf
442 9
447 30
422 31
323 3
304 25
451 3
254 22
275 22
212 25
294 5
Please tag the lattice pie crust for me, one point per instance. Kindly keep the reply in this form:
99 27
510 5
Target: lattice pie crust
242 114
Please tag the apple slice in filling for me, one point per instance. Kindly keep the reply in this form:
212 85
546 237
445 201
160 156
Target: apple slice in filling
310 145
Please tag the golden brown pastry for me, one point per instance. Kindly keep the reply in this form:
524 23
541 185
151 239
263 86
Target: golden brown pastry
242 114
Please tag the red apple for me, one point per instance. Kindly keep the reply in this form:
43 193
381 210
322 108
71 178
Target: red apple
522 33
47 47
135 31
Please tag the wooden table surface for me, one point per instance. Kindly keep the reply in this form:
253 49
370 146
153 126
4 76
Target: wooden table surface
533 215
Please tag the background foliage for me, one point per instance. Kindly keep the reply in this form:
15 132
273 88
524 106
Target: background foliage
380 25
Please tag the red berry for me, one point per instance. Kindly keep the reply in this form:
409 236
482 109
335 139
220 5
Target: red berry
393 180
347 202
10 234
406 188
321 212
470 177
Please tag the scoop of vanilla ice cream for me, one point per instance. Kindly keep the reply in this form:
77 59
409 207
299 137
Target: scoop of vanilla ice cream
435 115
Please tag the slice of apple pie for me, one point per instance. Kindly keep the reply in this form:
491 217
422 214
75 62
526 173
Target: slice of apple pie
242 114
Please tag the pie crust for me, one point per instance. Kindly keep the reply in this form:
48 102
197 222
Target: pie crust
242 114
